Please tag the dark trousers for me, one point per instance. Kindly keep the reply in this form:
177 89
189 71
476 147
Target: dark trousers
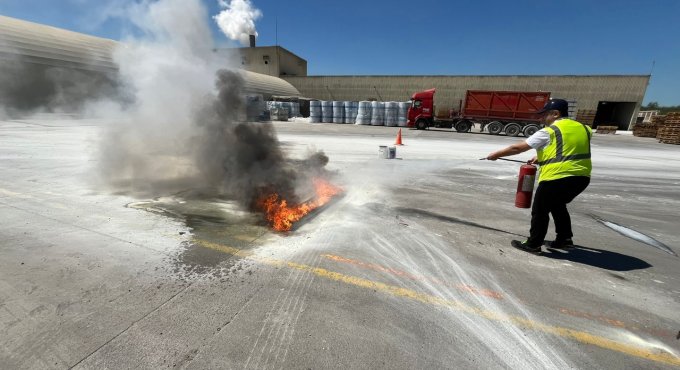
552 197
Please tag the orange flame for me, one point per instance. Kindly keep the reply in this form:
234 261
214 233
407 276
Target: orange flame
281 216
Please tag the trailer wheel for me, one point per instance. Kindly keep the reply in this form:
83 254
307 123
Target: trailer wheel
494 127
530 130
513 129
463 126
421 124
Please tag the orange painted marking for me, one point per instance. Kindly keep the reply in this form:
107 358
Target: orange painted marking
617 323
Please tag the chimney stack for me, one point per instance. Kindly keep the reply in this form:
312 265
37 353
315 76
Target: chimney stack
252 41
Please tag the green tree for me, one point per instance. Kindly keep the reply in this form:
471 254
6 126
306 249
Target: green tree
652 105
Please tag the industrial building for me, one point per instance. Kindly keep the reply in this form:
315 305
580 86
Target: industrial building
614 99
270 60
40 64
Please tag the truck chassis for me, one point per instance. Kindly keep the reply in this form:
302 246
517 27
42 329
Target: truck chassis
493 127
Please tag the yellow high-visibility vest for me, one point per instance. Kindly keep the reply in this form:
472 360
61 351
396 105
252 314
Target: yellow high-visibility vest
568 153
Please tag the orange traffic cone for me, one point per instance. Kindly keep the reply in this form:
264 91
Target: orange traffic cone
399 139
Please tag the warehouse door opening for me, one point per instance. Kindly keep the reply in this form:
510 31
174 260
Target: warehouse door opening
614 113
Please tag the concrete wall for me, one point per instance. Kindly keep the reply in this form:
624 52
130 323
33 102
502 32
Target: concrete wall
272 60
291 64
588 91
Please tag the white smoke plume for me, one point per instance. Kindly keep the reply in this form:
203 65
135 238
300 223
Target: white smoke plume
167 69
182 131
237 19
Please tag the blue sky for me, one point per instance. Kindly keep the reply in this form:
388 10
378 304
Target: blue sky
426 37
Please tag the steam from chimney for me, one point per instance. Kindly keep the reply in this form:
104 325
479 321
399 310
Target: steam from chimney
237 20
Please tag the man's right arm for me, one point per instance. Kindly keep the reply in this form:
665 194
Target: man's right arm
539 140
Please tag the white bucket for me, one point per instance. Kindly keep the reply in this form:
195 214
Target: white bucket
383 152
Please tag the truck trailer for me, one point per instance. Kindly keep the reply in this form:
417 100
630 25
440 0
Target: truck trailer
512 112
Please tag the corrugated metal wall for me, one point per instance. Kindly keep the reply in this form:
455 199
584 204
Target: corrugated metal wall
267 86
586 90
55 47
52 69
43 67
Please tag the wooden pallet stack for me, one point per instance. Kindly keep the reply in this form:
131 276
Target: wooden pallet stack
659 119
585 116
650 129
672 118
669 132
607 129
645 130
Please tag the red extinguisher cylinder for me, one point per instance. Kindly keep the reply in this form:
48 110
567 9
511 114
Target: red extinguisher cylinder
525 186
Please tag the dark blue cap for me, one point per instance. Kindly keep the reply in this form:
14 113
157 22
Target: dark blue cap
560 105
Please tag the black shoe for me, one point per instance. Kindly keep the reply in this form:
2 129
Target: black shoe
561 244
526 247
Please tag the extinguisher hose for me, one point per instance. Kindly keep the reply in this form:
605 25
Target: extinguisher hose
505 159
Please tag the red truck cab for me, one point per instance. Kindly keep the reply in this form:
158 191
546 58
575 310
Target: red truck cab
422 107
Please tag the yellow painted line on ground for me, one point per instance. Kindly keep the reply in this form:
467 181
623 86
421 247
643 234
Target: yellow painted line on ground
223 248
579 336
404 274
244 238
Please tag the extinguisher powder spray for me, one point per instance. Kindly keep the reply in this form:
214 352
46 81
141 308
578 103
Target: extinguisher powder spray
525 186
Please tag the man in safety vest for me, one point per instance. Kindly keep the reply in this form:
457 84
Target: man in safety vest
563 154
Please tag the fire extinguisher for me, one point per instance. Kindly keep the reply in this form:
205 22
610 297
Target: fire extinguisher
525 186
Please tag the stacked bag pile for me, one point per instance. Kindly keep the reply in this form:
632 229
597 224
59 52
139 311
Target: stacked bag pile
372 113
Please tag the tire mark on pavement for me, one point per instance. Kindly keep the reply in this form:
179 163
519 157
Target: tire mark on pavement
268 324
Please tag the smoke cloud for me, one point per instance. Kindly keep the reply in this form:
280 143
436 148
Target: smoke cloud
183 132
237 19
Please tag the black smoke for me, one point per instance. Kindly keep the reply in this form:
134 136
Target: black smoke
244 160
219 155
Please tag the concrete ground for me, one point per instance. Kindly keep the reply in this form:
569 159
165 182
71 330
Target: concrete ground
411 269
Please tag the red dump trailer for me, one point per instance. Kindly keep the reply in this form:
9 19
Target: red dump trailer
512 112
